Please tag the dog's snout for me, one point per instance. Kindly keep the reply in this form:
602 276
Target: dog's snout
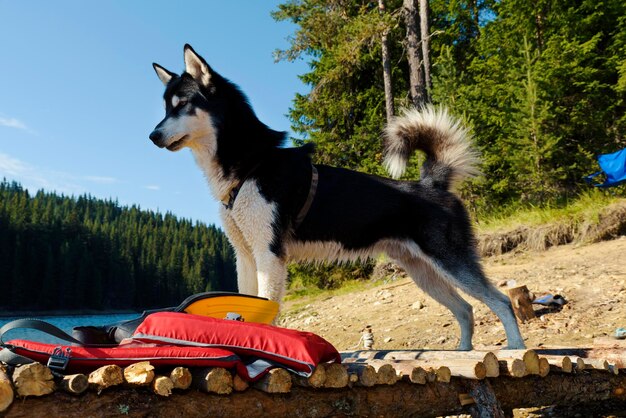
156 136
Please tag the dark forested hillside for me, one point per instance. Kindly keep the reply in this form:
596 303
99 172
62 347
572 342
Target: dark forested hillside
58 252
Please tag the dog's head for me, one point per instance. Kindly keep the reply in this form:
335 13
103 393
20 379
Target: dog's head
191 102
206 112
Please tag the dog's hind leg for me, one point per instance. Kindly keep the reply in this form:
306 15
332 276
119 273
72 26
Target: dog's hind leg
469 277
480 288
430 280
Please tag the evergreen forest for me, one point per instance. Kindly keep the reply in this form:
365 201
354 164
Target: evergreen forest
66 253
541 83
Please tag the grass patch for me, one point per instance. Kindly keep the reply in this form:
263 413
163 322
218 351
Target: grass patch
312 292
586 207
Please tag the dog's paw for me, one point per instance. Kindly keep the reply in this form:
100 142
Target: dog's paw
519 346
465 347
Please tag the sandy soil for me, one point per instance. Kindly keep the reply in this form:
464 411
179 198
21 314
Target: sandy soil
592 278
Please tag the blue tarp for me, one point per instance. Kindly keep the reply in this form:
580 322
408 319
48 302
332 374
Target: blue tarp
613 166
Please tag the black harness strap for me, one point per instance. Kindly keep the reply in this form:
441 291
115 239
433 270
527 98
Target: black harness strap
57 361
232 195
309 199
38 325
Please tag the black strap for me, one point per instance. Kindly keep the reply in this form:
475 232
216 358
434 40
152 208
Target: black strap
56 361
232 195
309 199
38 325
9 357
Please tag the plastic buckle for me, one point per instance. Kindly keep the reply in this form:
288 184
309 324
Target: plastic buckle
59 360
233 316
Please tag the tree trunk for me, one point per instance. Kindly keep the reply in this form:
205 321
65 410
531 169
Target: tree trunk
414 54
386 68
425 31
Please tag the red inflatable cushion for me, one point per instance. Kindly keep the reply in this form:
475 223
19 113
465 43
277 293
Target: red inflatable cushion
297 350
90 358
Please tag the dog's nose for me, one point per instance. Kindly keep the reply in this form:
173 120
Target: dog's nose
156 136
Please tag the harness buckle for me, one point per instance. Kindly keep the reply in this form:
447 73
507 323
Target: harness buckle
59 360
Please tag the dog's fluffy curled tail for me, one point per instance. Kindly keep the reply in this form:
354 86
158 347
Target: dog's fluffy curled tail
450 157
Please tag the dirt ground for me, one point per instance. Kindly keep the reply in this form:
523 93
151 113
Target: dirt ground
592 278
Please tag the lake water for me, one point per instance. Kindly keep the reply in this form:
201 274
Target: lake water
66 323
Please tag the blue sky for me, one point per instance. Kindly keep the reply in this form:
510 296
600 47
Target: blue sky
78 95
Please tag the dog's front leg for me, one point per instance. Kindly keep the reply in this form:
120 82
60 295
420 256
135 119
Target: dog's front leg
246 273
244 261
271 276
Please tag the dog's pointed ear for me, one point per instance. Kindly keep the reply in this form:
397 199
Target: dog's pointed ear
163 74
197 67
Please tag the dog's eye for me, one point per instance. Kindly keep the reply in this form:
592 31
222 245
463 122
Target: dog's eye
182 102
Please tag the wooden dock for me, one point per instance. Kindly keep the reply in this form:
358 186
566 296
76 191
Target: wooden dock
367 383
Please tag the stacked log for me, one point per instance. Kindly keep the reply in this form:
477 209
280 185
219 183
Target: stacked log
181 378
513 367
411 372
459 360
33 379
457 372
316 380
239 385
559 363
365 374
162 385
530 358
74 384
6 390
275 381
385 372
105 377
213 380
139 374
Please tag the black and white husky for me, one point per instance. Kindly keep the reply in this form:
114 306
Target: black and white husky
277 206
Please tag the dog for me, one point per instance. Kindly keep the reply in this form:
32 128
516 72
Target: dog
277 206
